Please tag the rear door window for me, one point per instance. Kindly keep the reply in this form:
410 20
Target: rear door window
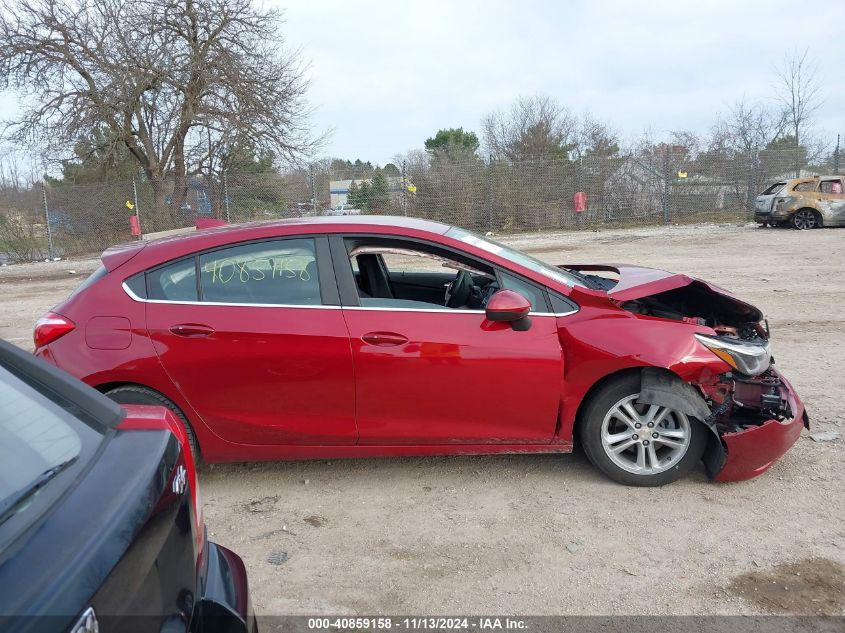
277 272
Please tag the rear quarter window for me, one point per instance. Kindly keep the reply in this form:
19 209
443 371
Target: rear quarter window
773 189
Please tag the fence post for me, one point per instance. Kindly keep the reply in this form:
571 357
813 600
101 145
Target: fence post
137 208
666 186
47 217
313 189
836 156
753 183
404 190
490 193
226 196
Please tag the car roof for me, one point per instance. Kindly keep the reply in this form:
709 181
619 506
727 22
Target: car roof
318 224
230 233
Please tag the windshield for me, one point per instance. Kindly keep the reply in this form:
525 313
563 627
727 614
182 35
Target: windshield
516 257
34 437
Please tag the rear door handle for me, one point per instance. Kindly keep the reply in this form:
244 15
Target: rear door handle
192 330
384 339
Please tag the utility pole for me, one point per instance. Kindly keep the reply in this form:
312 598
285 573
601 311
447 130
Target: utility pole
836 156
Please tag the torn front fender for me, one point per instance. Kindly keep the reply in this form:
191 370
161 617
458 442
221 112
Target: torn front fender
753 451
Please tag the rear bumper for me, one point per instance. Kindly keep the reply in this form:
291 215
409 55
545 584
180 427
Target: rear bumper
225 605
753 451
762 216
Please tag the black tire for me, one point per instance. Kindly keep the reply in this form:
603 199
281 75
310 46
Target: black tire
806 219
141 395
590 430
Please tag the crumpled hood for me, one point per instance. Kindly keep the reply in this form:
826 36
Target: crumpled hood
638 282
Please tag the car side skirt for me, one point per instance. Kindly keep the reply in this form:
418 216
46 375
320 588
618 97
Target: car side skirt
252 452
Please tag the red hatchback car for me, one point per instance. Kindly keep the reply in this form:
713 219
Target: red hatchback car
374 336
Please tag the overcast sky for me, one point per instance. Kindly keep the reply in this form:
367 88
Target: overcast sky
387 75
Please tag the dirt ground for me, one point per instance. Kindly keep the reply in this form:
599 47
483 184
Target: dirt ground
535 535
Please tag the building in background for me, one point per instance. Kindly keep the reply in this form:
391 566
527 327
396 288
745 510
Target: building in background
339 189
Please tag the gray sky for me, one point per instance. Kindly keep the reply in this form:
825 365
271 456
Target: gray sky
387 75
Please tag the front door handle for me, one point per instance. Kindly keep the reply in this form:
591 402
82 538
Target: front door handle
384 339
192 330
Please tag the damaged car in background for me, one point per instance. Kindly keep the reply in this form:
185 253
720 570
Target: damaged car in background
357 336
803 203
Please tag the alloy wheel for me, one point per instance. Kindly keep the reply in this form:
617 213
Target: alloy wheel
804 220
644 439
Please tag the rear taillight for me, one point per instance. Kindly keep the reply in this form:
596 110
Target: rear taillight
193 483
50 327
144 417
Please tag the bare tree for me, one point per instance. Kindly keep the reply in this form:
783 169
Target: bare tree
595 138
161 76
748 127
533 128
799 93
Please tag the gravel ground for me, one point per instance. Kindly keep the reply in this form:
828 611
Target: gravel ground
547 534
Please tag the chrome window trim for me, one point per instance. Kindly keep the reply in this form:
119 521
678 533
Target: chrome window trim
135 297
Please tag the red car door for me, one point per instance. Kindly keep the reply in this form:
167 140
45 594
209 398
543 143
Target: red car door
252 346
433 375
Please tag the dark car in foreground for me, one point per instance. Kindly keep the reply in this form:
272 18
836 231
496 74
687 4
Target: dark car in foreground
374 336
100 522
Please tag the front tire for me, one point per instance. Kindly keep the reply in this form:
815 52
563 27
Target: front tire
635 444
131 394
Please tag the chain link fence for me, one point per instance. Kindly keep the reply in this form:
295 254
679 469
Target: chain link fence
662 185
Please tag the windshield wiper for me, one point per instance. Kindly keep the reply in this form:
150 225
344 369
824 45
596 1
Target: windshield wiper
10 504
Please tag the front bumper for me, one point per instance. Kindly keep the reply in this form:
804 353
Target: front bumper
225 605
753 451
761 216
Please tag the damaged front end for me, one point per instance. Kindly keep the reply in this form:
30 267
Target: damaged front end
756 419
753 412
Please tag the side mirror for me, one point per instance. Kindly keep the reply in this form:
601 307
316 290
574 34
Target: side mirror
511 307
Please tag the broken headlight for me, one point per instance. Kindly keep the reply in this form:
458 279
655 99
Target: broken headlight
746 357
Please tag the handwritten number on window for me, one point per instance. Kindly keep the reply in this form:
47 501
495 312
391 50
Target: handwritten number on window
224 271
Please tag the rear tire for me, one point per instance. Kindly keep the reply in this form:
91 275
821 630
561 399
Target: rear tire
608 430
805 219
142 395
